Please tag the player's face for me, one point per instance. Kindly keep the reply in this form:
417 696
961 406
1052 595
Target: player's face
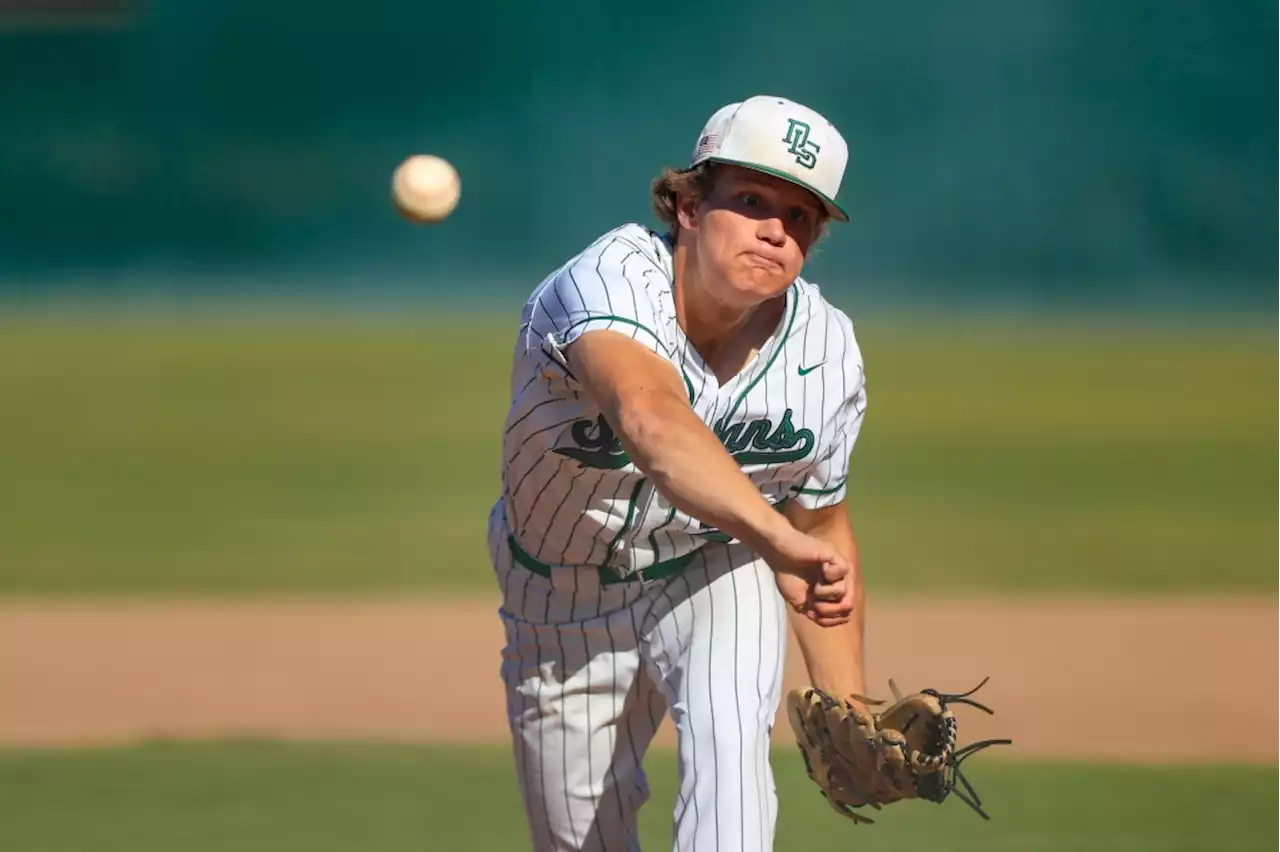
753 233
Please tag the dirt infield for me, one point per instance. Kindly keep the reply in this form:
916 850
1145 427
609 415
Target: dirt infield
1082 680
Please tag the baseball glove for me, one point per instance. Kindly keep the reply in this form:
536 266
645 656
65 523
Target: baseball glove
908 751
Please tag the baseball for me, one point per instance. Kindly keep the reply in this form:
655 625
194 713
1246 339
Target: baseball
426 188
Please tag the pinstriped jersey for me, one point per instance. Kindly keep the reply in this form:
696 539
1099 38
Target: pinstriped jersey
789 418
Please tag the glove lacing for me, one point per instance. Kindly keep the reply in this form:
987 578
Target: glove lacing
942 745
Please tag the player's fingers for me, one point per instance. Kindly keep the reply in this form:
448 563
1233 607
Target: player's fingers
836 569
831 621
830 591
832 609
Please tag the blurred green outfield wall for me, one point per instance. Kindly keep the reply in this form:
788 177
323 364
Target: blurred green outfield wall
1046 150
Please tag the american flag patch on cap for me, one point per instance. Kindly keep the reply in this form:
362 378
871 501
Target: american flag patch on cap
705 144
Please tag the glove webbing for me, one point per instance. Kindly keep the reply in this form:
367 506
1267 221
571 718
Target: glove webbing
936 788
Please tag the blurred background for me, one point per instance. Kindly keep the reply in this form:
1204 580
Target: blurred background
232 379
1042 152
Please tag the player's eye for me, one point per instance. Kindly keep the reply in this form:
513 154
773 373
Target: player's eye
749 199
798 214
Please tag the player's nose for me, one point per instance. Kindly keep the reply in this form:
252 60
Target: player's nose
771 230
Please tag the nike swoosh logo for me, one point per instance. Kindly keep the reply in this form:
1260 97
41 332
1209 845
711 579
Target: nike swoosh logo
804 371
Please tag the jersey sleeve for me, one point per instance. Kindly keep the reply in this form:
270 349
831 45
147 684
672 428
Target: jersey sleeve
825 482
613 289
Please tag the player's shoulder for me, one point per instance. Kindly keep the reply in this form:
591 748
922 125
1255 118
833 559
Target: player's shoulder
815 310
625 274
628 257
630 249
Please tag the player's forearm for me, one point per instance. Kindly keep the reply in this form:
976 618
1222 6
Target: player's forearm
833 655
643 399
691 469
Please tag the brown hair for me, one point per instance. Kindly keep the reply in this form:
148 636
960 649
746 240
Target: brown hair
697 182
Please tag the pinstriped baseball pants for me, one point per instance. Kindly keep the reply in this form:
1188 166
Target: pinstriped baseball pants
590 670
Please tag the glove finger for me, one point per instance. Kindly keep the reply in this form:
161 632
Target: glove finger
854 740
799 714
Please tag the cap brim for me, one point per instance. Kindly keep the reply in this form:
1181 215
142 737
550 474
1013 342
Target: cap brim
833 210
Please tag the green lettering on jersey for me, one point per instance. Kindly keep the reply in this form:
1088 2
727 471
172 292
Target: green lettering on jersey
756 442
598 446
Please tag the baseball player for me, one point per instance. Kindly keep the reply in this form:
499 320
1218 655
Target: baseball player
683 408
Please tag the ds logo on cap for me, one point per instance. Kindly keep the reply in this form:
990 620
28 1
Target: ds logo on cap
798 137
780 138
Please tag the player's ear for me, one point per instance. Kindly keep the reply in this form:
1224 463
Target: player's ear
687 210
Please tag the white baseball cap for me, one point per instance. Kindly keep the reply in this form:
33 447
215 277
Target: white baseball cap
781 138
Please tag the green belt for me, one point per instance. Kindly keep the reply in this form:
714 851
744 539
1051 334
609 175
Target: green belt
656 571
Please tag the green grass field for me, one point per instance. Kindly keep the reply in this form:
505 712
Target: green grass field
234 456
275 798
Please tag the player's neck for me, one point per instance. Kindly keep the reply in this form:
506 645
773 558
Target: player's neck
727 336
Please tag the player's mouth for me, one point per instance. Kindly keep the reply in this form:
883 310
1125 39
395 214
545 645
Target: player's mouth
764 261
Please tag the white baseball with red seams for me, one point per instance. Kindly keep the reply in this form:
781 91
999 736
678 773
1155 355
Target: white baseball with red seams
618 607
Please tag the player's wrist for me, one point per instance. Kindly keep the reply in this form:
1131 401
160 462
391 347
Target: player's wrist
768 532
